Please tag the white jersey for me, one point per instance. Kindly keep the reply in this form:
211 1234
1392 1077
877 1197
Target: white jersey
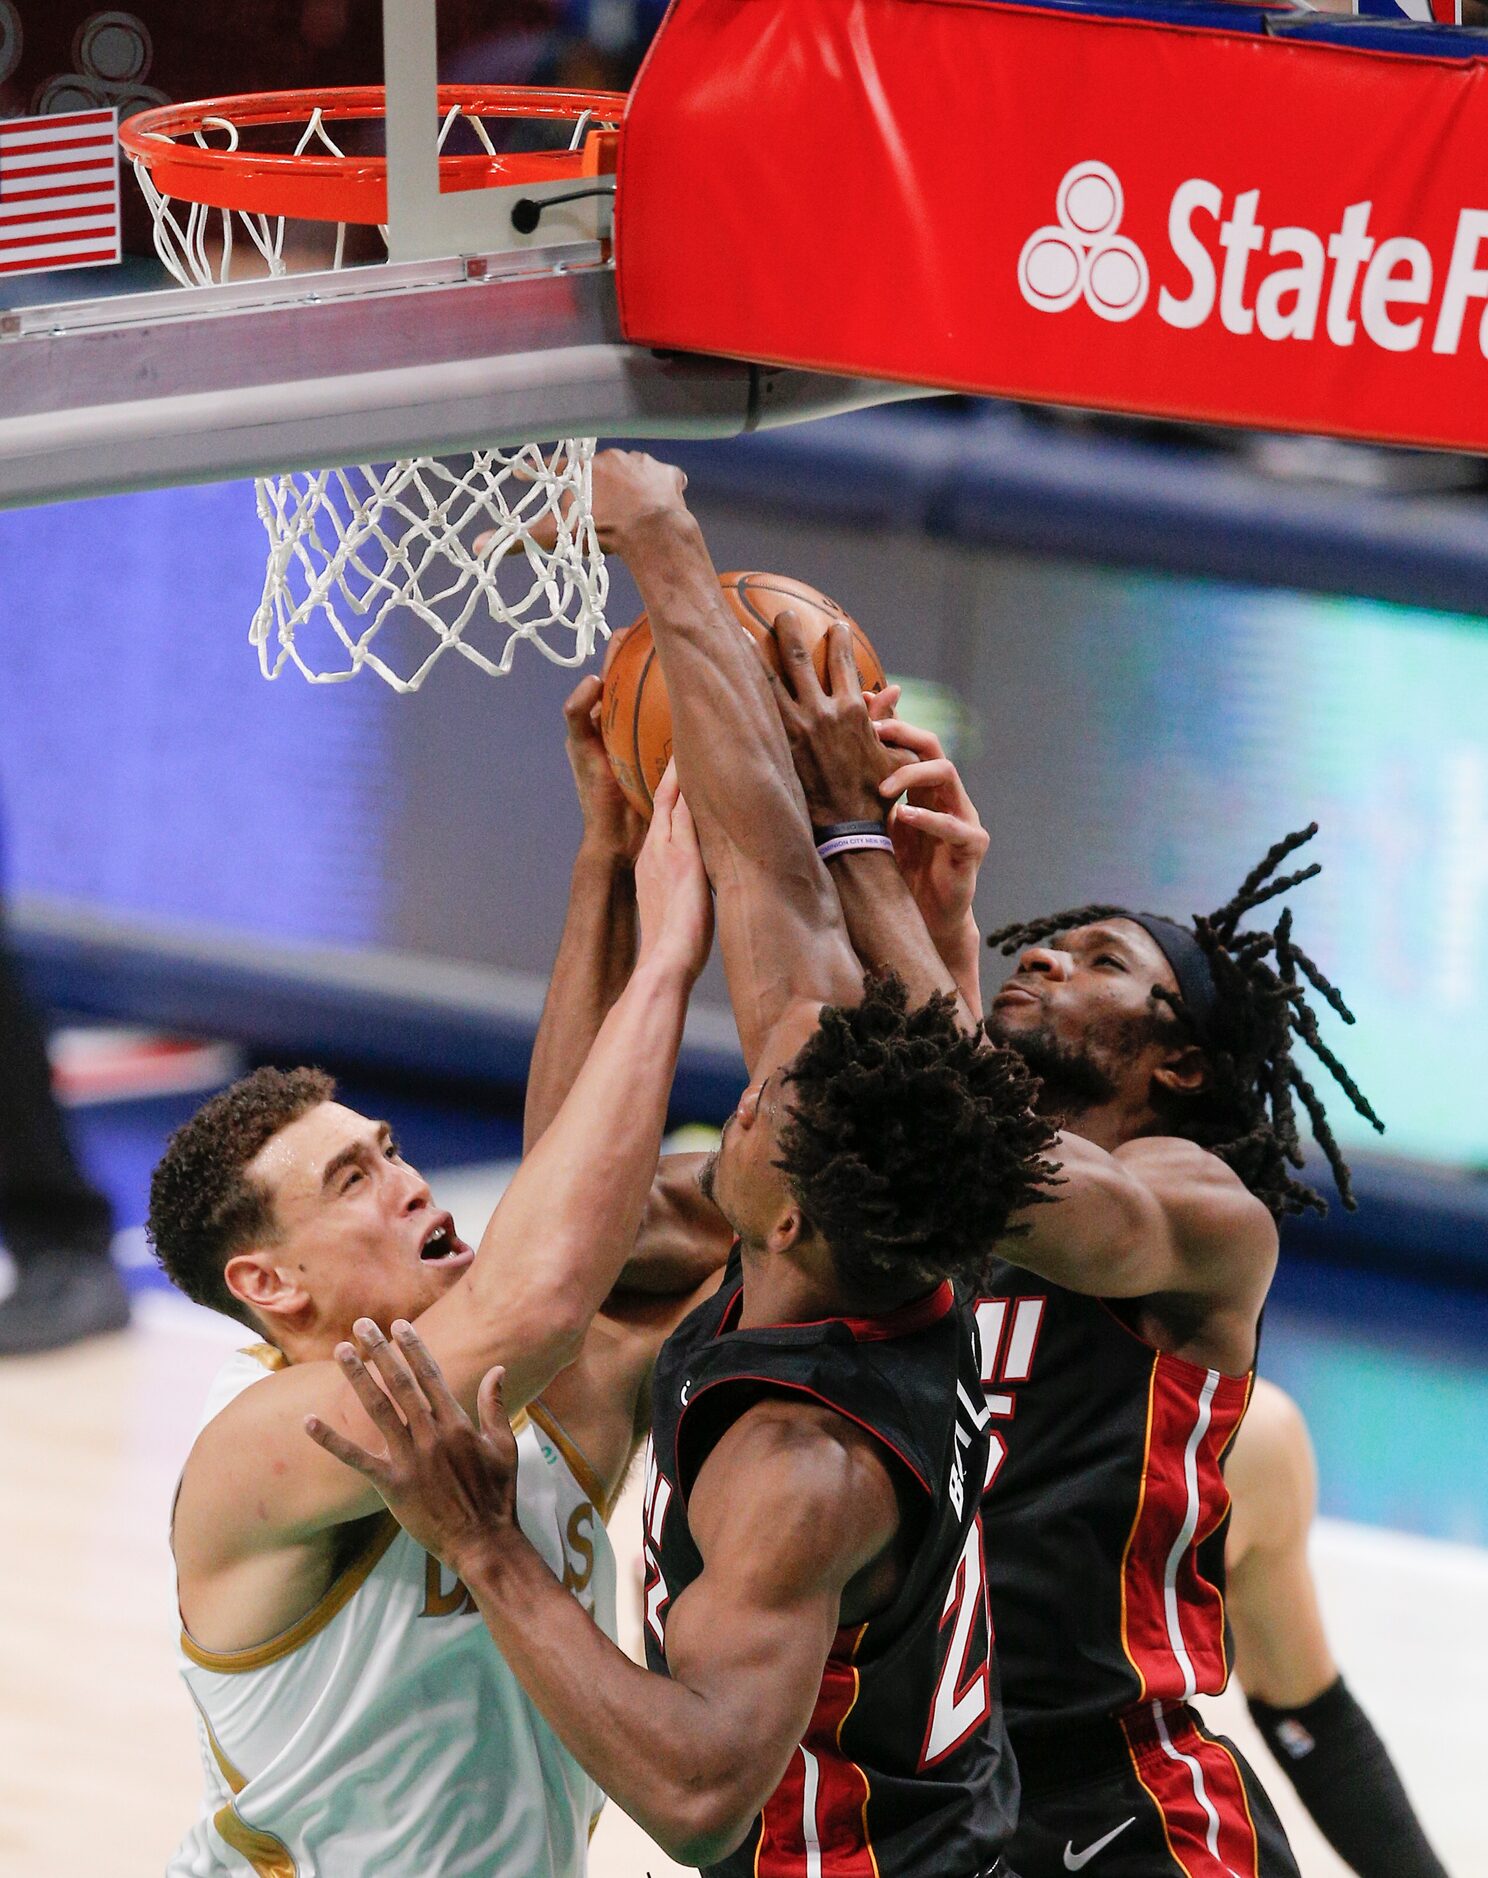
383 1734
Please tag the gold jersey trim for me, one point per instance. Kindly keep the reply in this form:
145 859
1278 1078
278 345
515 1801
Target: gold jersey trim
269 1856
578 1464
337 1596
269 1354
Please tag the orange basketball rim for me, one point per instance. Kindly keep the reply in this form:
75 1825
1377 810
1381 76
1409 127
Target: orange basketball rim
323 185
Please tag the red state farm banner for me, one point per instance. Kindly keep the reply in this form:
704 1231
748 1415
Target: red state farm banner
1119 213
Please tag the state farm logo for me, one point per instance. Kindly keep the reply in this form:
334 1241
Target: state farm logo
1280 283
1081 253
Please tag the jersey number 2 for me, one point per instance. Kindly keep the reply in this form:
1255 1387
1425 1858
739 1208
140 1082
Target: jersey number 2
961 1694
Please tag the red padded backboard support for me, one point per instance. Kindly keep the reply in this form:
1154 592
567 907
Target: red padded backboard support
923 190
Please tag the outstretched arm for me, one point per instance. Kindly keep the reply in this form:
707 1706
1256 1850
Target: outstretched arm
683 1238
790 1508
851 771
597 949
548 1259
1158 1218
780 926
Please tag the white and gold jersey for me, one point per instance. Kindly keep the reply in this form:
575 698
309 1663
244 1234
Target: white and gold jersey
383 1734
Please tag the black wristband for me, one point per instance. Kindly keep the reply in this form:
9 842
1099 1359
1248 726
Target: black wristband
1329 1750
850 838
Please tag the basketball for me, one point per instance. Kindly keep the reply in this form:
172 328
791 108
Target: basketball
635 712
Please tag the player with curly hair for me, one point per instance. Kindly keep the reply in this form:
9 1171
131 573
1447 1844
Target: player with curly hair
820 1694
1119 1332
353 1713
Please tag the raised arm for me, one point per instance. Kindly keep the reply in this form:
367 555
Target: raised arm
597 948
849 771
791 1511
780 926
683 1238
548 1259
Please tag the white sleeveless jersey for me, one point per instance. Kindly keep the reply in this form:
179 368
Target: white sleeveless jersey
383 1734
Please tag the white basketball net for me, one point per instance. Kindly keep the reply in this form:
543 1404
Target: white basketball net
376 566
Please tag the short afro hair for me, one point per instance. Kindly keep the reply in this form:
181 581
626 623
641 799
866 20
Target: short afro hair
204 1207
910 1142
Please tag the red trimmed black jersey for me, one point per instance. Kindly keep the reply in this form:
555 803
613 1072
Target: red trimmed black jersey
1105 1511
904 1771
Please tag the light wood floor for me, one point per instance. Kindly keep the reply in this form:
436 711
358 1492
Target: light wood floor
98 1767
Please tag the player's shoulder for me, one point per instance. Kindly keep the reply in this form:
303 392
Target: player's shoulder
793 1433
255 1393
804 1471
1204 1197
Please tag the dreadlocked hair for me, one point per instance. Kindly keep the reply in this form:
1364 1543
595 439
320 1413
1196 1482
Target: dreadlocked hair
911 1143
1247 1111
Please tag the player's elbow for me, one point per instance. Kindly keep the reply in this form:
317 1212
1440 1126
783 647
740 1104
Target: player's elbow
705 1825
709 1799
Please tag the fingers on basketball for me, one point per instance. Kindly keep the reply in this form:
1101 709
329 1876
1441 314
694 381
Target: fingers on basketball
668 794
796 664
842 666
582 703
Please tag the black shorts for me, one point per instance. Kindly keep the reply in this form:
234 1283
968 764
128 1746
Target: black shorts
1158 1797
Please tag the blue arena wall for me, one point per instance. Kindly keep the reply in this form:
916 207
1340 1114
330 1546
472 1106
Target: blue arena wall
1157 657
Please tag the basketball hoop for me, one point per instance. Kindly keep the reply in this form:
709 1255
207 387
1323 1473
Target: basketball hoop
375 565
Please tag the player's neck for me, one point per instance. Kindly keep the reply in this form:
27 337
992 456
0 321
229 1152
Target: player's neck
802 1287
1110 1125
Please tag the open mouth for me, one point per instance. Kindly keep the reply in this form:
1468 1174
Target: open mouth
442 1243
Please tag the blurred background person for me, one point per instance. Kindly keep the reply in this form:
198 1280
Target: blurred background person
54 1223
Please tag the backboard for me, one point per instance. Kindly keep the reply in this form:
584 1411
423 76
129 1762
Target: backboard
461 331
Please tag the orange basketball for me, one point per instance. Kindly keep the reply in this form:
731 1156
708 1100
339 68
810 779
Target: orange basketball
635 712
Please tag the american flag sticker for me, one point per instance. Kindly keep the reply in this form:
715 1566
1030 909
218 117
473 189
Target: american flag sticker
59 191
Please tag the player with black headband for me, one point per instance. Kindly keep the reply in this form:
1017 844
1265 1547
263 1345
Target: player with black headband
1118 1351
1168 1052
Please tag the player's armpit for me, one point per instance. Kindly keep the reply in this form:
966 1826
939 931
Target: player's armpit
683 1237
602 1400
792 1510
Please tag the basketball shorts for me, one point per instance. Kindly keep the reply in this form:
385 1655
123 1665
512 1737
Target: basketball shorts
1152 1795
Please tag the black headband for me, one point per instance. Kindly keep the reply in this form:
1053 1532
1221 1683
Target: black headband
1190 965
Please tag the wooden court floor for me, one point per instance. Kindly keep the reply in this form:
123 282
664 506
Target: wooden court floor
98 1771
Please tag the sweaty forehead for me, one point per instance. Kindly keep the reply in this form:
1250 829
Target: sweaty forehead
1126 937
297 1154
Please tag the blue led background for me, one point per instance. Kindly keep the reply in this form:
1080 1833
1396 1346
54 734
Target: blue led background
146 768
1136 737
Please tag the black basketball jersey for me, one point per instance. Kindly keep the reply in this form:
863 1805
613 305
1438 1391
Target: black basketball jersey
1104 1513
904 1770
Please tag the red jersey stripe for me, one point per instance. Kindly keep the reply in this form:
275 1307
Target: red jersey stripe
816 1820
1195 1785
1172 1616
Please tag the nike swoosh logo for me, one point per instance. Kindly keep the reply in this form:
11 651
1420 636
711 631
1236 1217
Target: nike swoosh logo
1076 1861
